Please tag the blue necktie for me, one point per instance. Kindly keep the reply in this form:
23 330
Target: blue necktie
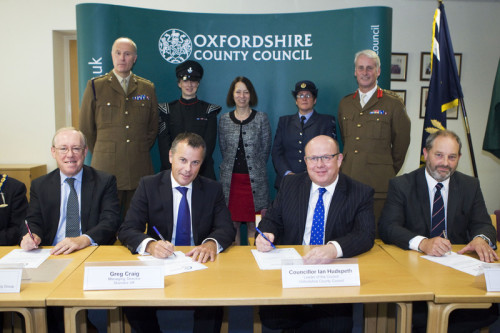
72 211
318 225
438 222
183 231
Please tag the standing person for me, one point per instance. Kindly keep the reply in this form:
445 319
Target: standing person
431 208
119 117
245 144
294 132
188 114
187 209
13 206
375 130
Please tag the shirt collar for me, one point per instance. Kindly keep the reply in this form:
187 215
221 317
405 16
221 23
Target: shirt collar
119 78
78 176
330 188
309 115
431 182
176 184
368 94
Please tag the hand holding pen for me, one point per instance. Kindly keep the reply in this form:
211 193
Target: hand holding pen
445 235
161 249
29 241
264 243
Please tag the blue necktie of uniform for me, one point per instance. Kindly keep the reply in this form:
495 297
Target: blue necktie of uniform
183 231
72 211
318 225
438 223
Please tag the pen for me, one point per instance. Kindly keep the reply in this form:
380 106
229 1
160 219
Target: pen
267 239
446 237
161 237
31 235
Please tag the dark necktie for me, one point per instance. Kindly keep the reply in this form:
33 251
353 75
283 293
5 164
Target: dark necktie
183 231
438 222
318 225
302 122
72 211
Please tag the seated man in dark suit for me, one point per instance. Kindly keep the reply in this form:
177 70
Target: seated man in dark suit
297 217
74 206
13 206
431 208
187 209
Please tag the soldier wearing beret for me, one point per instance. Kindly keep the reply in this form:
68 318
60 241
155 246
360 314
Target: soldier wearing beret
294 131
120 120
188 114
375 130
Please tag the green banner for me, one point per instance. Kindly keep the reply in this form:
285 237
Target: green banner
273 50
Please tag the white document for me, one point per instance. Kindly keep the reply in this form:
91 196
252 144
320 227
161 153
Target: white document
492 276
459 262
177 264
276 258
29 259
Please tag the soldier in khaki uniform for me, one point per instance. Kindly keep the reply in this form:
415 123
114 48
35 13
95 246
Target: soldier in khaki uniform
119 117
375 130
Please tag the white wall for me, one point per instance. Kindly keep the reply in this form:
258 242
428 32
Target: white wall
27 82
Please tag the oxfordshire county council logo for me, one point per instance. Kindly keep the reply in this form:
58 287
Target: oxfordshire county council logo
175 46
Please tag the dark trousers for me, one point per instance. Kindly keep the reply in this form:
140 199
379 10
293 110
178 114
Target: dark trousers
308 318
144 319
460 321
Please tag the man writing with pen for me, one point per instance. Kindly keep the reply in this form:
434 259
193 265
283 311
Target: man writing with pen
318 207
185 209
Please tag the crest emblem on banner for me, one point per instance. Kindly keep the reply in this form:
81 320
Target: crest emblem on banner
175 46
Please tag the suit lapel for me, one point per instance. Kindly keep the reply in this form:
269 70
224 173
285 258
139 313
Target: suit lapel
167 201
88 183
453 199
423 198
303 203
196 208
132 85
336 204
115 84
311 120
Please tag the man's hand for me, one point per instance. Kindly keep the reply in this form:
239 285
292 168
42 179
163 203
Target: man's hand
28 244
160 249
70 244
262 244
482 248
436 246
204 252
320 254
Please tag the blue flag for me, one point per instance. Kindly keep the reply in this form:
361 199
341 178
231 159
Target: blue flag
444 86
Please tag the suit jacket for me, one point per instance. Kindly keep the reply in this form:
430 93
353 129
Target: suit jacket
407 210
376 138
120 127
12 216
350 220
290 141
100 212
152 204
257 144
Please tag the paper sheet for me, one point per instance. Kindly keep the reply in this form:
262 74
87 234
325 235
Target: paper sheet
176 264
30 259
274 259
459 262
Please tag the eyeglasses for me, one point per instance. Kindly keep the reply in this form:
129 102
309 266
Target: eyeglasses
324 158
302 96
65 150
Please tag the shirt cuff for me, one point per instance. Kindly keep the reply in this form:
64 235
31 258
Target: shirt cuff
219 248
340 254
92 243
287 172
486 239
141 249
415 242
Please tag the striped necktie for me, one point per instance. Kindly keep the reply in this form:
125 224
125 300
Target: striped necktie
438 220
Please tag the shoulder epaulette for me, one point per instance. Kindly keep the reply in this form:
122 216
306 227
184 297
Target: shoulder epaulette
139 78
163 107
393 94
213 108
93 83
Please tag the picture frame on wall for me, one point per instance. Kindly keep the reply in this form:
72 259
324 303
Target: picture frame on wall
450 114
402 94
399 66
425 65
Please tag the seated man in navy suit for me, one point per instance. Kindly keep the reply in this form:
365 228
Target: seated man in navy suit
186 209
431 208
92 220
321 207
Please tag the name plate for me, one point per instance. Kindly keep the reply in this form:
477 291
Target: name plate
123 275
10 280
332 275
492 276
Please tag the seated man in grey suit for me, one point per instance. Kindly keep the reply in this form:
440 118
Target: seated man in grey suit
431 208
320 207
74 206
186 209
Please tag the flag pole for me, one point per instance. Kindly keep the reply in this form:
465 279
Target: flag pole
469 139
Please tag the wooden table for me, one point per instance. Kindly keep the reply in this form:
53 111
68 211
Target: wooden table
452 289
30 301
235 279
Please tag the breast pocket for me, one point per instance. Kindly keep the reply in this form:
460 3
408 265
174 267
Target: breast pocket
347 122
106 111
140 111
378 126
